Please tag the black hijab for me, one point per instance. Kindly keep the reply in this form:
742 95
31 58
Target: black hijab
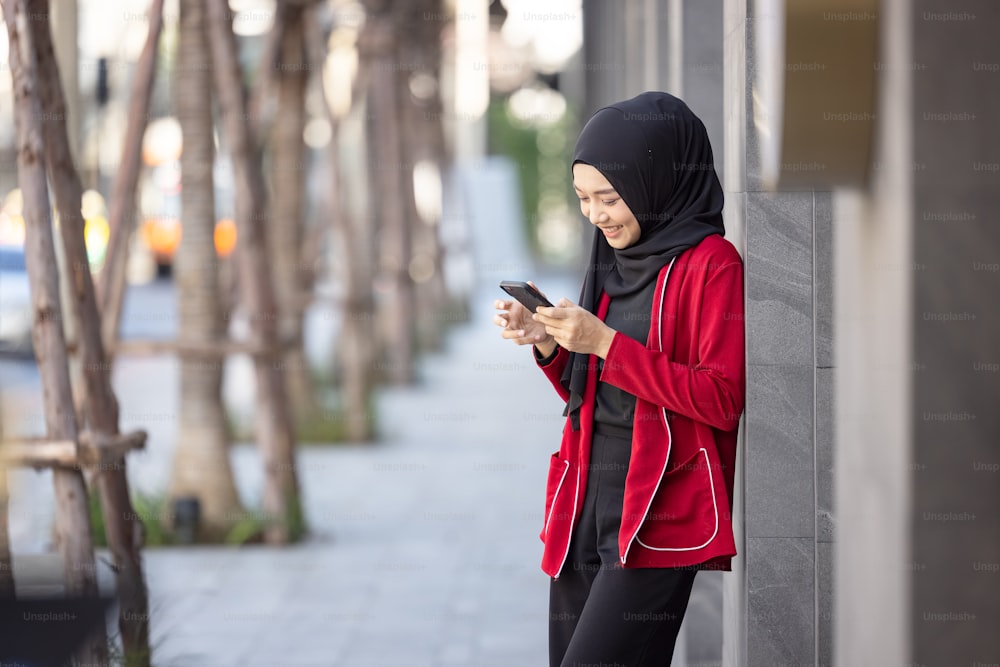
655 152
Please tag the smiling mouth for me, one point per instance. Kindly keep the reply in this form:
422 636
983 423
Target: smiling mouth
611 230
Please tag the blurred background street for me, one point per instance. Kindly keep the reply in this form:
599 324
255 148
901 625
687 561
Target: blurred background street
267 234
423 550
423 437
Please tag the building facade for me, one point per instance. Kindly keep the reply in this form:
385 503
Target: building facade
868 485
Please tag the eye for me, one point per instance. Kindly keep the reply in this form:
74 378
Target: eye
610 202
584 200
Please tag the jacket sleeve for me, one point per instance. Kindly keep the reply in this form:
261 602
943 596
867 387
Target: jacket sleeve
713 391
554 369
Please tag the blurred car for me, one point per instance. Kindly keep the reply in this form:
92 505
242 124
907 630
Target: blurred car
15 303
161 236
16 314
160 195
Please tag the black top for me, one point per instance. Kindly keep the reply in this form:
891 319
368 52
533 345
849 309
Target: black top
629 315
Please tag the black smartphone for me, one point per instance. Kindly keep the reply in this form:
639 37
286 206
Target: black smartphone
529 297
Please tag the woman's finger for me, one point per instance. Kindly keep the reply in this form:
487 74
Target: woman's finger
556 312
564 343
556 331
550 315
518 336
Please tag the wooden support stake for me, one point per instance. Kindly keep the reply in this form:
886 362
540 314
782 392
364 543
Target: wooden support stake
6 568
275 431
196 348
72 515
93 450
121 525
121 222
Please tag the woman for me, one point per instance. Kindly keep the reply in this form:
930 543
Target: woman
651 365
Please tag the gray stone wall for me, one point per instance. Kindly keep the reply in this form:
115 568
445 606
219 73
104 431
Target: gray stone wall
784 587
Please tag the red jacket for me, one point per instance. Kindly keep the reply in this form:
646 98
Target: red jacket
690 384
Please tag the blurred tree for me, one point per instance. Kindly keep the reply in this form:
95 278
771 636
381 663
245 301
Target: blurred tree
290 73
201 467
355 350
391 183
421 115
275 435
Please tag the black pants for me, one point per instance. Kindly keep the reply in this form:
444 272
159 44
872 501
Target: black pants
599 612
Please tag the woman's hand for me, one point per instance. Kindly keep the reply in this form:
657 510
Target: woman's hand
518 326
575 328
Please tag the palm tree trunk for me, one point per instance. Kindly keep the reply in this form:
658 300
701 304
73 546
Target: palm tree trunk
288 171
356 352
201 467
281 501
389 193
422 134
72 518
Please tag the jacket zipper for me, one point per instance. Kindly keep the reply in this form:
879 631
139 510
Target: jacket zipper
663 411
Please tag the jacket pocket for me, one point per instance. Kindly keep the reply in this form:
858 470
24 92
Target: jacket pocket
683 515
558 468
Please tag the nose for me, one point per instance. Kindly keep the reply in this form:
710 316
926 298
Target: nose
595 214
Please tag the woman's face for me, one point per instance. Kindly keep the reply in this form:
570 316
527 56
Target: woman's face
604 207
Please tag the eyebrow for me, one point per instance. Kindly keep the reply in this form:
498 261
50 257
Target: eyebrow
605 191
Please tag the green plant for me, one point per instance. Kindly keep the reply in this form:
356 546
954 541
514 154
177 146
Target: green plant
152 511
247 529
117 657
237 428
320 426
295 520
521 145
251 526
